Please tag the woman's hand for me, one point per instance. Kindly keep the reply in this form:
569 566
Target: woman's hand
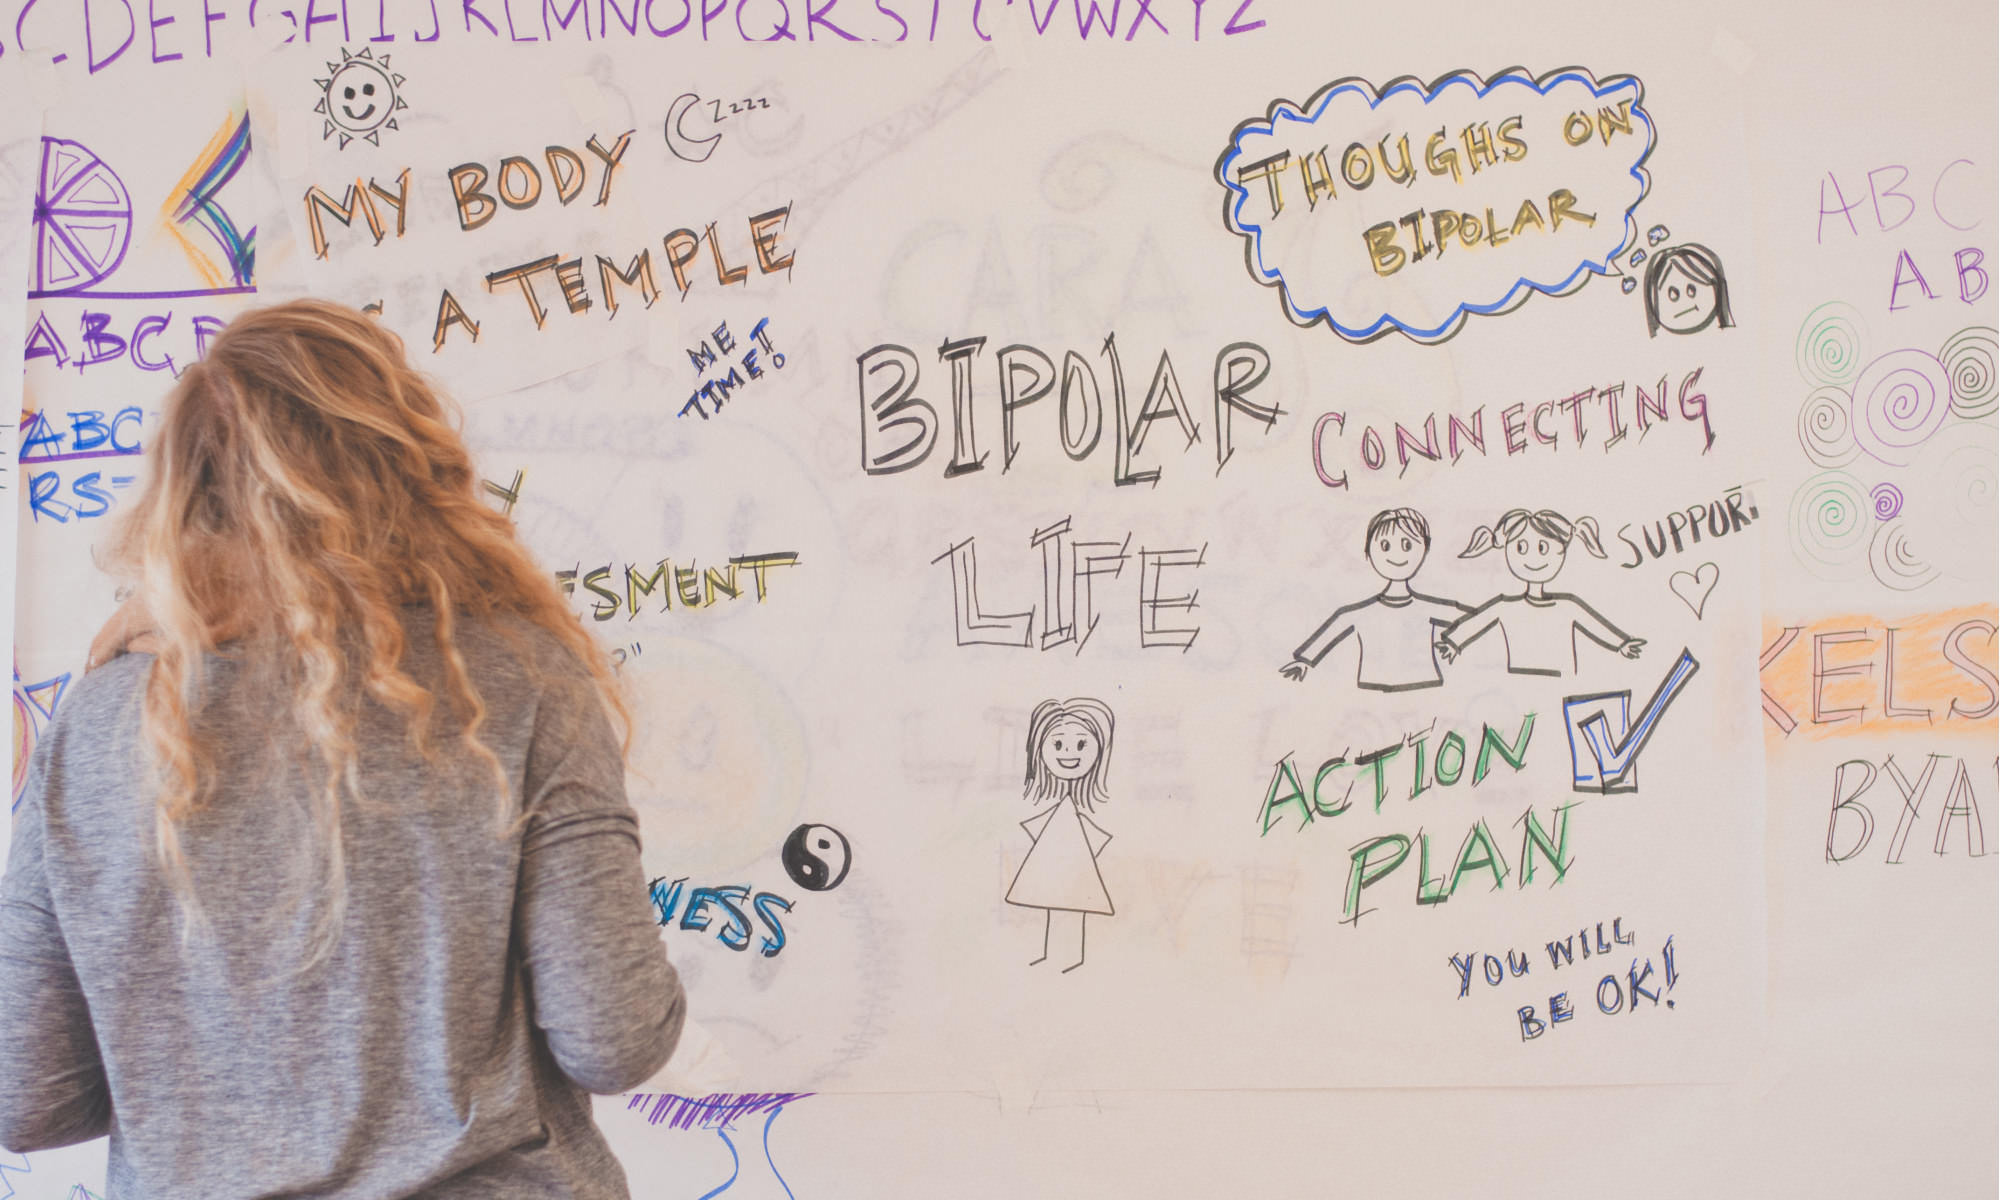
130 629
1446 651
1632 647
1293 670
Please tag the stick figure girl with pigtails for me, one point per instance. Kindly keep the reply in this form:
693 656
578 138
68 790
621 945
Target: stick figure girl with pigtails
1069 754
1538 626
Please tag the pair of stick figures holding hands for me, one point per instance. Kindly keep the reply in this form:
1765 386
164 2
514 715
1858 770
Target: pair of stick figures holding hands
1402 633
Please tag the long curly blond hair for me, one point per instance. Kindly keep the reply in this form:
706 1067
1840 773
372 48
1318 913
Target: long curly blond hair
305 484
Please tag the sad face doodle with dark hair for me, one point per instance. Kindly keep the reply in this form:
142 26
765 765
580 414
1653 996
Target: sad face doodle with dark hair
1686 291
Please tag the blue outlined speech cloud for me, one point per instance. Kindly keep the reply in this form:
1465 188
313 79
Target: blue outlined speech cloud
1411 207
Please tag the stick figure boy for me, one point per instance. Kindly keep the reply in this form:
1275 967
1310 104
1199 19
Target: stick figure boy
1396 627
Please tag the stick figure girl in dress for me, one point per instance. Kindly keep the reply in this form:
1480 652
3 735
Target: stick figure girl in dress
1069 752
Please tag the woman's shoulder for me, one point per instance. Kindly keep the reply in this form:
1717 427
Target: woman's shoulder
95 724
105 693
502 642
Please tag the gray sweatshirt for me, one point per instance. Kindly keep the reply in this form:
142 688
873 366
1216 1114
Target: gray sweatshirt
484 980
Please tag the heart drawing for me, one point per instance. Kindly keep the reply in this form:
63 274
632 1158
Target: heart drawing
1693 588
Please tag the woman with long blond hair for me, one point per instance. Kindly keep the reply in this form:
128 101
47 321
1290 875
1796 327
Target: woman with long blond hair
330 886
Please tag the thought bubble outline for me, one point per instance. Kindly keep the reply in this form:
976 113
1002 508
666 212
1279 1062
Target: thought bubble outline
1235 195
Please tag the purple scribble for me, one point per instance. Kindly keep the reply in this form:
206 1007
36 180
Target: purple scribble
717 1111
248 289
1888 501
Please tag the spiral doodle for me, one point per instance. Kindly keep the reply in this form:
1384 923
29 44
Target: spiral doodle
1950 493
1896 565
1968 362
1830 525
1826 427
1888 501
1900 400
1968 473
1829 345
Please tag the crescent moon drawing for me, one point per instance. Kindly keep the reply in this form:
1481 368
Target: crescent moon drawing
683 146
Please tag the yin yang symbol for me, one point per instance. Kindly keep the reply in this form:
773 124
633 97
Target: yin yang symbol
816 857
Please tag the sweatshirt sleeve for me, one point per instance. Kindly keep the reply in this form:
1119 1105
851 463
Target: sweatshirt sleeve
1328 635
52 1084
1593 625
1473 625
605 996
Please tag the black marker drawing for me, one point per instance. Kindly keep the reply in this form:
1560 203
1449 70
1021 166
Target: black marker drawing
1685 291
684 147
1539 626
359 98
1694 586
1396 628
817 857
1069 754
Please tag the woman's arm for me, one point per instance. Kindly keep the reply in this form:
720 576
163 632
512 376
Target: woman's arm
52 1086
604 994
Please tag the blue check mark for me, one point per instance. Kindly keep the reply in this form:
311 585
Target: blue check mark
1615 759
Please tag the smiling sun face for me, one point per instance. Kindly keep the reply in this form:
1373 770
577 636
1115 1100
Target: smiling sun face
343 95
359 97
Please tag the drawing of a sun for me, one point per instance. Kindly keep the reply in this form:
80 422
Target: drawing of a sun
359 97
